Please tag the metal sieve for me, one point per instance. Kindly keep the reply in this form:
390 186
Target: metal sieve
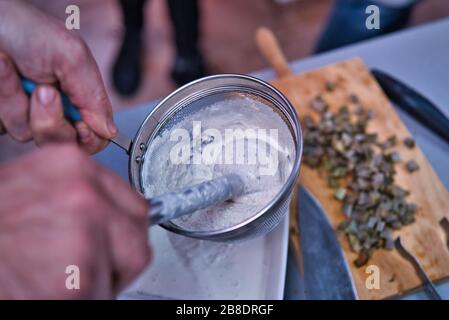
188 99
196 95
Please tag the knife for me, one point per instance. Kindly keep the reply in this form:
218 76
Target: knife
326 274
408 99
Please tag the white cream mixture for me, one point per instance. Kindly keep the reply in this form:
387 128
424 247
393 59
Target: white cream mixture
174 160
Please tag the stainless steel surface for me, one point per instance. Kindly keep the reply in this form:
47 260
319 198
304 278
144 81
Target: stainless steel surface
429 288
176 204
325 272
204 92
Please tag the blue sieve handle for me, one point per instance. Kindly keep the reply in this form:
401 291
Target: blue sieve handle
71 113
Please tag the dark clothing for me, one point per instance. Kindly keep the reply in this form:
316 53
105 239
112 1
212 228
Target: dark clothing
346 23
184 15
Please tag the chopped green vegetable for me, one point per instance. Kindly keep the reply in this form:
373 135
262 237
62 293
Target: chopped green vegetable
390 142
319 105
362 173
363 258
412 166
409 142
330 86
354 98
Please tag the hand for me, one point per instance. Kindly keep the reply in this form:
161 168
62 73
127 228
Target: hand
60 208
39 47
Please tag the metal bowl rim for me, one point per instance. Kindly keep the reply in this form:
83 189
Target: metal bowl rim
283 193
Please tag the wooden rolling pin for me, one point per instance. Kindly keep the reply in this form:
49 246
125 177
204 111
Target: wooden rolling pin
269 47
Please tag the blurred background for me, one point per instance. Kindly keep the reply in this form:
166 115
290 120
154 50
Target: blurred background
225 39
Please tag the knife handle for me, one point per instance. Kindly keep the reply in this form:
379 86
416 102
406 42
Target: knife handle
414 103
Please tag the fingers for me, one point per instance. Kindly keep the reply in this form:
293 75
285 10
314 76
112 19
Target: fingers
101 201
89 140
116 207
74 67
130 252
47 121
128 228
13 102
80 78
125 198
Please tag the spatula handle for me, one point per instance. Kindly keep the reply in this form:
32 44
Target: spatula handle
172 205
71 113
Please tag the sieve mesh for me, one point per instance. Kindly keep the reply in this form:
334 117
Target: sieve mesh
279 207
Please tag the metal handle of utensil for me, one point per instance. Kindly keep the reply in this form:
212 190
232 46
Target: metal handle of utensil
429 288
444 223
121 140
176 204
72 114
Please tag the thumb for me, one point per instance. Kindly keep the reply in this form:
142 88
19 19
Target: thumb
47 120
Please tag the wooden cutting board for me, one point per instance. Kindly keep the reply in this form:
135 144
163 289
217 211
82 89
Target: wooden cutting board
424 238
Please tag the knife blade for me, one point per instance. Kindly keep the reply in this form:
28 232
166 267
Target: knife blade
414 103
326 275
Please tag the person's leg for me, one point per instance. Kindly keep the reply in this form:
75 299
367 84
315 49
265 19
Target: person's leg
346 23
188 63
127 68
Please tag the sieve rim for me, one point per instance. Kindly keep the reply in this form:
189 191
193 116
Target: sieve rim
156 119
